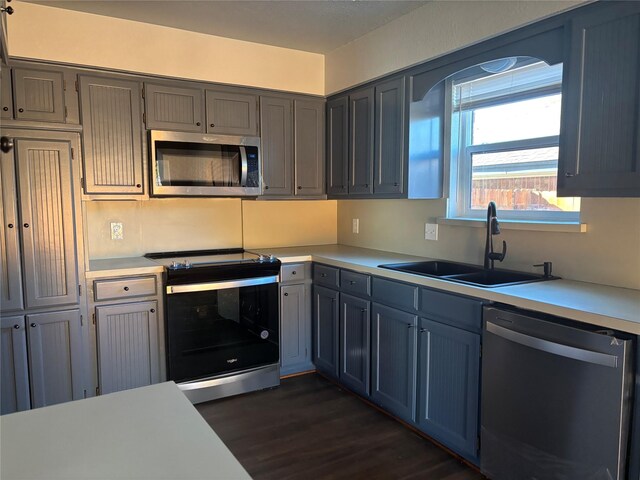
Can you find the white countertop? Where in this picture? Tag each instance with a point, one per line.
(111, 267)
(610, 307)
(146, 433)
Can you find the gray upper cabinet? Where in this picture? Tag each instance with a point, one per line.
(6, 99)
(14, 389)
(338, 146)
(355, 343)
(326, 330)
(309, 147)
(47, 221)
(599, 150)
(55, 357)
(393, 370)
(11, 297)
(128, 346)
(112, 133)
(174, 108)
(232, 113)
(390, 143)
(38, 94)
(276, 137)
(361, 142)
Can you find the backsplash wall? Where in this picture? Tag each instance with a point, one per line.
(204, 223)
(608, 253)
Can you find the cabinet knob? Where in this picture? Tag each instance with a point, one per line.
(197, 124)
(568, 174)
(286, 294)
(126, 289)
(423, 330)
(352, 282)
(10, 225)
(138, 185)
(323, 275)
(34, 325)
(366, 185)
(153, 310)
(6, 109)
(293, 273)
(395, 184)
(16, 326)
(299, 187)
(266, 187)
(6, 144)
(26, 225)
(410, 325)
(212, 125)
(364, 310)
(21, 110)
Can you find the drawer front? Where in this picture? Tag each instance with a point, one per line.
(357, 283)
(451, 309)
(292, 272)
(327, 276)
(396, 294)
(124, 288)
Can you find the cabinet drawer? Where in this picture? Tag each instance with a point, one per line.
(327, 276)
(395, 294)
(124, 288)
(357, 283)
(292, 272)
(451, 309)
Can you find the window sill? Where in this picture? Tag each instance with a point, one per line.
(563, 227)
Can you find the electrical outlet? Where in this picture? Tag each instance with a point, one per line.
(355, 225)
(431, 231)
(117, 232)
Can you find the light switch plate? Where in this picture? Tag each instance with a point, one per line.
(117, 231)
(431, 231)
(355, 225)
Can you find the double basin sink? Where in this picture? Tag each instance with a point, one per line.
(467, 274)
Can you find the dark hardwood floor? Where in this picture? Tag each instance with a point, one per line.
(309, 428)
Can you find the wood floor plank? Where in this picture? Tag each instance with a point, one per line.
(309, 428)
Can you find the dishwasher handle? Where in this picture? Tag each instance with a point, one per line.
(553, 347)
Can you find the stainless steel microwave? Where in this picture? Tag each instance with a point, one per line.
(198, 164)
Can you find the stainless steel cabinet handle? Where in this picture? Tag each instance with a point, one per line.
(34, 325)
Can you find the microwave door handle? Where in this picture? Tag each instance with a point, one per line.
(244, 166)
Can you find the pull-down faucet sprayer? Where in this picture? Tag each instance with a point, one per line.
(493, 228)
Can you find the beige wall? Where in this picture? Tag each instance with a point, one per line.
(608, 253)
(54, 34)
(438, 27)
(203, 223)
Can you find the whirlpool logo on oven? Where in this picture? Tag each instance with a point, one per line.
(232, 360)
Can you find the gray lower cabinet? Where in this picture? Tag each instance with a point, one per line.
(231, 113)
(112, 134)
(355, 343)
(449, 386)
(309, 147)
(295, 329)
(169, 107)
(394, 342)
(6, 98)
(38, 94)
(128, 346)
(338, 146)
(326, 317)
(390, 143)
(14, 387)
(276, 136)
(361, 141)
(599, 151)
(55, 357)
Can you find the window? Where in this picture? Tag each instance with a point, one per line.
(504, 128)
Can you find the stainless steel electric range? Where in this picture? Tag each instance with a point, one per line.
(221, 321)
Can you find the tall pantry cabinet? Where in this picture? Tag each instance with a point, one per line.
(41, 341)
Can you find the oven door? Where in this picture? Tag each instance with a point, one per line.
(222, 327)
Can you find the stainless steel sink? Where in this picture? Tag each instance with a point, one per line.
(465, 273)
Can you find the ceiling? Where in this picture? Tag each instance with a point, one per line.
(309, 25)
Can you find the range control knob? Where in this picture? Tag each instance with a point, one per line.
(262, 258)
(187, 264)
(272, 258)
(174, 264)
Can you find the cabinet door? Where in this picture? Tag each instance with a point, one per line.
(55, 357)
(14, 372)
(277, 146)
(394, 340)
(338, 146)
(128, 346)
(11, 280)
(390, 138)
(309, 147)
(112, 134)
(599, 151)
(325, 320)
(174, 108)
(295, 323)
(38, 94)
(361, 142)
(232, 113)
(47, 215)
(449, 389)
(6, 98)
(355, 343)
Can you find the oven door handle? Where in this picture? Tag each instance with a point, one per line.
(204, 287)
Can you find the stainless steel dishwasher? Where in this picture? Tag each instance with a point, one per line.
(555, 399)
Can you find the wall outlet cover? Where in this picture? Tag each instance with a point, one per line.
(431, 231)
(117, 231)
(355, 225)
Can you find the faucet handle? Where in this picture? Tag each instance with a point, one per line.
(499, 256)
(548, 266)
